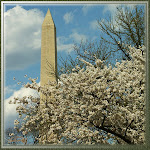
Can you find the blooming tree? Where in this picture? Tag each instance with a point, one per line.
(89, 106)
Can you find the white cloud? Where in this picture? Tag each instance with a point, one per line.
(66, 43)
(9, 114)
(94, 25)
(94, 38)
(112, 8)
(68, 17)
(9, 89)
(65, 47)
(22, 37)
(10, 109)
(76, 37)
(62, 44)
(86, 8)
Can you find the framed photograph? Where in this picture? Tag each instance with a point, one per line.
(75, 74)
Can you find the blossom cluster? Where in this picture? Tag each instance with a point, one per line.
(91, 105)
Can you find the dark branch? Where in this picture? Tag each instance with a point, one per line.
(114, 133)
(128, 127)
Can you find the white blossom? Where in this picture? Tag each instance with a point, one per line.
(87, 102)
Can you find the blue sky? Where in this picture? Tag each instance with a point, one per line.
(22, 40)
(22, 36)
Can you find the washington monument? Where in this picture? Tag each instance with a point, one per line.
(48, 51)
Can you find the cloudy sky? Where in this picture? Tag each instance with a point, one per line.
(22, 35)
(22, 40)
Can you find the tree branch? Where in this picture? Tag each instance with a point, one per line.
(128, 127)
(114, 133)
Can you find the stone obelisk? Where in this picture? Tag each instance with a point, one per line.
(48, 51)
